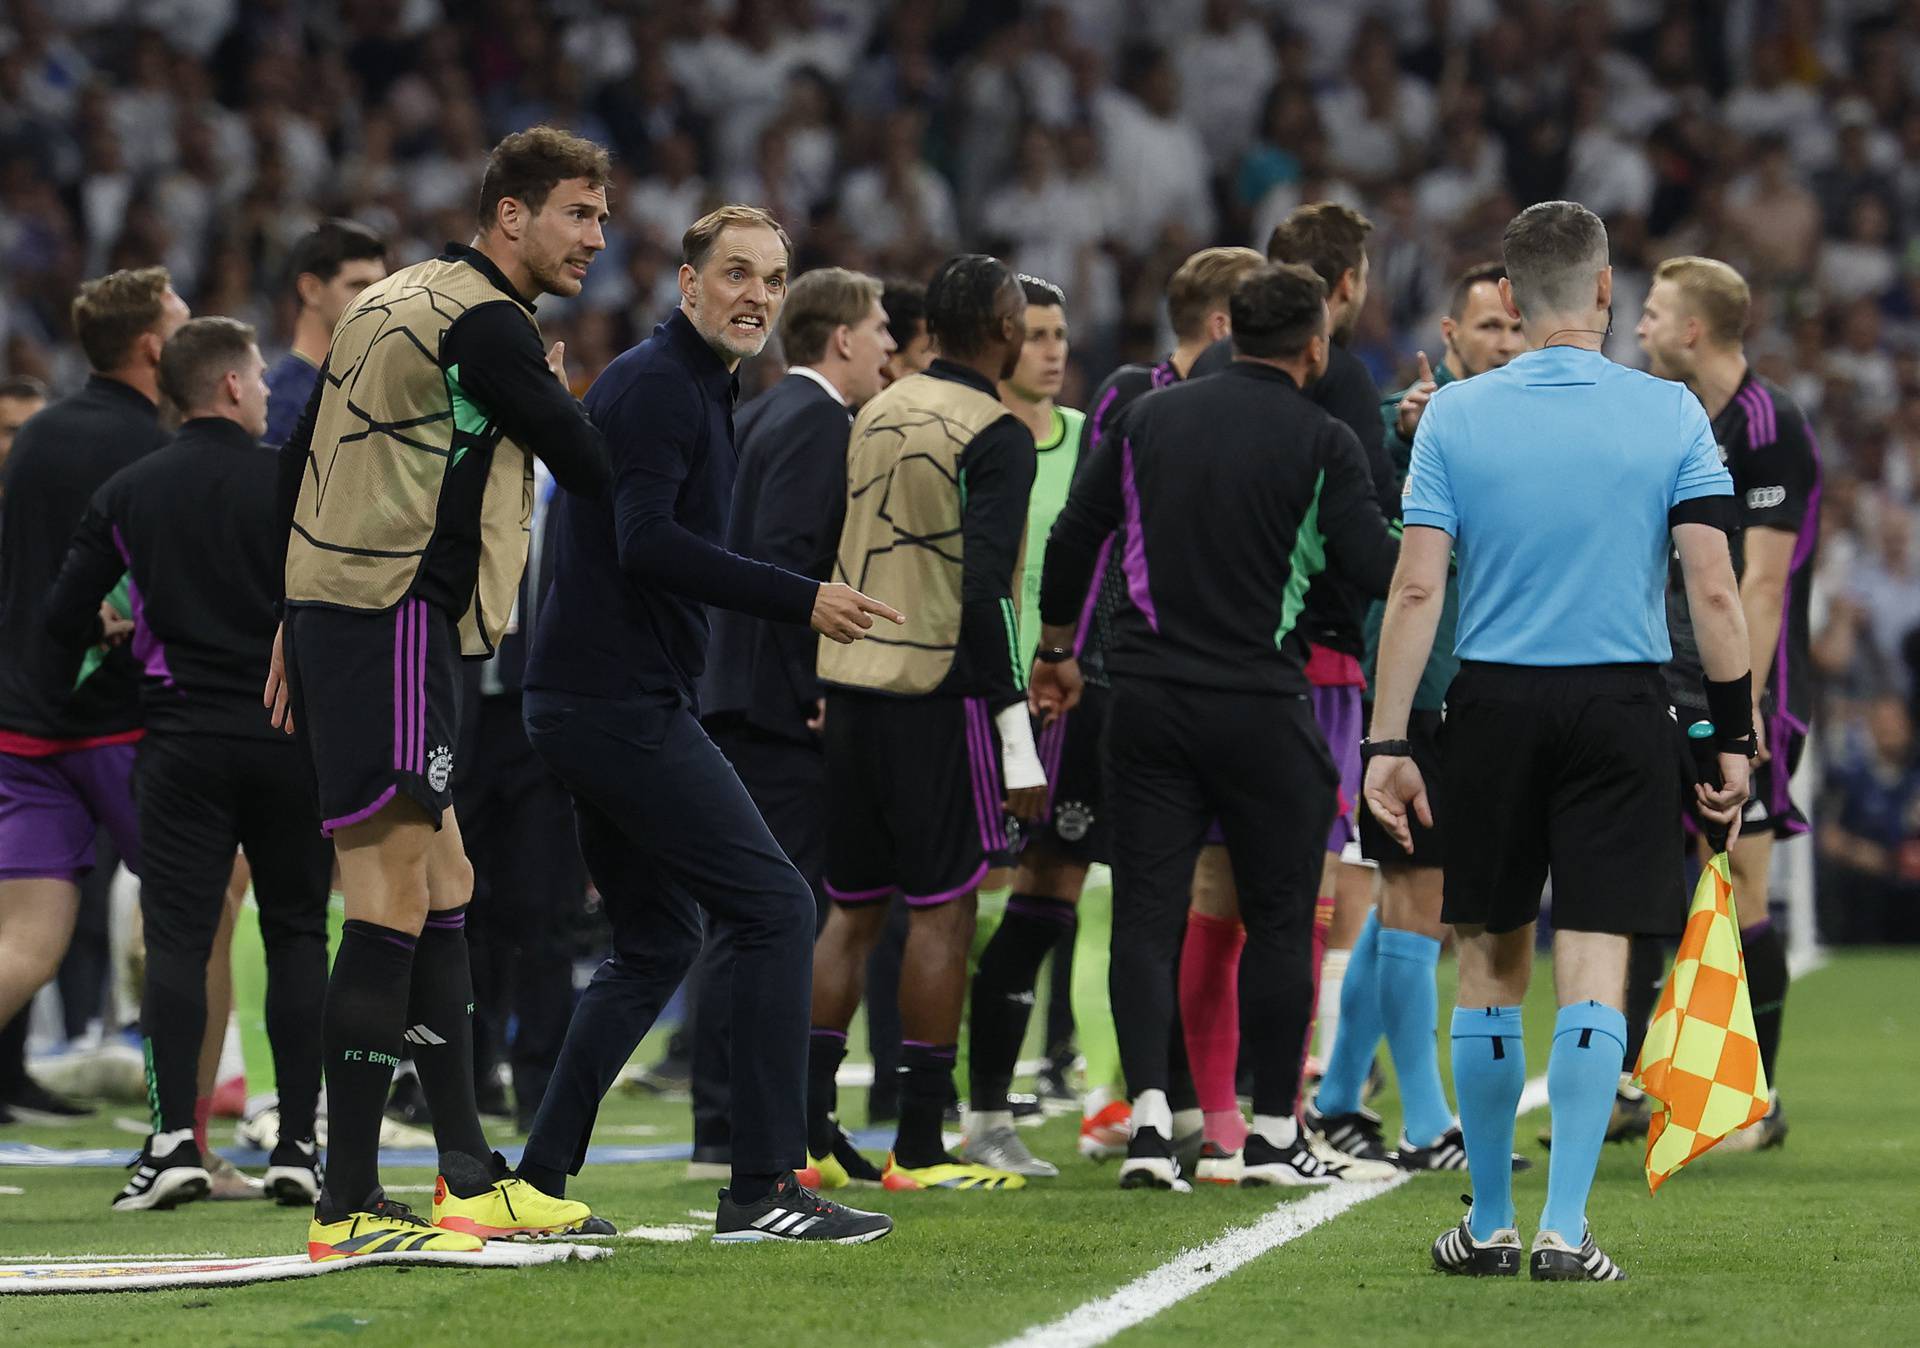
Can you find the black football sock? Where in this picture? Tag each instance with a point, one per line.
(365, 1014)
(13, 1054)
(440, 1033)
(926, 1084)
(1646, 968)
(1003, 992)
(825, 1050)
(296, 982)
(1767, 984)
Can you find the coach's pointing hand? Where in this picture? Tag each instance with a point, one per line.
(841, 612)
(1415, 402)
(1394, 786)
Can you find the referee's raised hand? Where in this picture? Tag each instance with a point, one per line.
(841, 613)
(1394, 787)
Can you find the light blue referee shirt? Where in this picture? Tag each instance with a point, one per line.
(1554, 475)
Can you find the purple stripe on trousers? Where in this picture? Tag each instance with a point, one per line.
(996, 791)
(399, 684)
(420, 686)
(327, 826)
(948, 895)
(1133, 557)
(977, 749)
(1053, 746)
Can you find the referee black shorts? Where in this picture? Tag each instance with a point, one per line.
(1376, 844)
(1573, 772)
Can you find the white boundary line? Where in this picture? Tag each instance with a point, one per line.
(1097, 1321)
(1188, 1272)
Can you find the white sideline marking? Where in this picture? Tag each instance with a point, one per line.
(1533, 1095)
(1097, 1321)
(671, 1233)
(1188, 1272)
(11, 1191)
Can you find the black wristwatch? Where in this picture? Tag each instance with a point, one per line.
(1372, 749)
(1052, 655)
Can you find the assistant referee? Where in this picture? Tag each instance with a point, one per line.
(1559, 480)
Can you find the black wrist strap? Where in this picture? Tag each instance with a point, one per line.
(1371, 749)
(1730, 706)
(1053, 655)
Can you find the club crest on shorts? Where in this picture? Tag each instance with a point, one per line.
(1071, 820)
(439, 767)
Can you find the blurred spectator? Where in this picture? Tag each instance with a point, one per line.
(1096, 142)
(1870, 842)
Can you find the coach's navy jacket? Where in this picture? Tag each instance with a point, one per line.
(1232, 493)
(788, 504)
(634, 570)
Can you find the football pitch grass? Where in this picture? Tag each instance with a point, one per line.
(1817, 1243)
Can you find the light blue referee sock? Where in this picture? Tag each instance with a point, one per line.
(1359, 1032)
(1410, 1007)
(1589, 1044)
(1489, 1070)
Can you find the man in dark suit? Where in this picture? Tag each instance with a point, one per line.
(528, 878)
(759, 698)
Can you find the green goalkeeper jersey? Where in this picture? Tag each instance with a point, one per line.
(1059, 456)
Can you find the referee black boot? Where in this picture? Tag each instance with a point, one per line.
(1457, 1252)
(1553, 1260)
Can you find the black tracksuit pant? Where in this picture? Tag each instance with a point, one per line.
(528, 880)
(669, 835)
(1179, 757)
(201, 797)
(788, 782)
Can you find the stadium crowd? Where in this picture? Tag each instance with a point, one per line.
(1094, 142)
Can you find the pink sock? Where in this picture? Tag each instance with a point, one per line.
(1210, 1015)
(1322, 925)
(202, 1111)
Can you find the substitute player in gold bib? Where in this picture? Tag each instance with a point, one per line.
(406, 491)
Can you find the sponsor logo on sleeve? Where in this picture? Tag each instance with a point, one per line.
(1766, 498)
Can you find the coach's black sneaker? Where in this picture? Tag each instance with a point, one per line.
(167, 1172)
(1357, 1134)
(293, 1175)
(793, 1213)
(1553, 1260)
(1456, 1251)
(1150, 1163)
(31, 1102)
(1295, 1165)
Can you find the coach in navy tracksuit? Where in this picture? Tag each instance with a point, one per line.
(760, 698)
(667, 830)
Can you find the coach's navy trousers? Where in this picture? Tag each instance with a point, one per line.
(671, 837)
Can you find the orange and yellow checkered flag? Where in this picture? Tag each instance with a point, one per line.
(1701, 1063)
